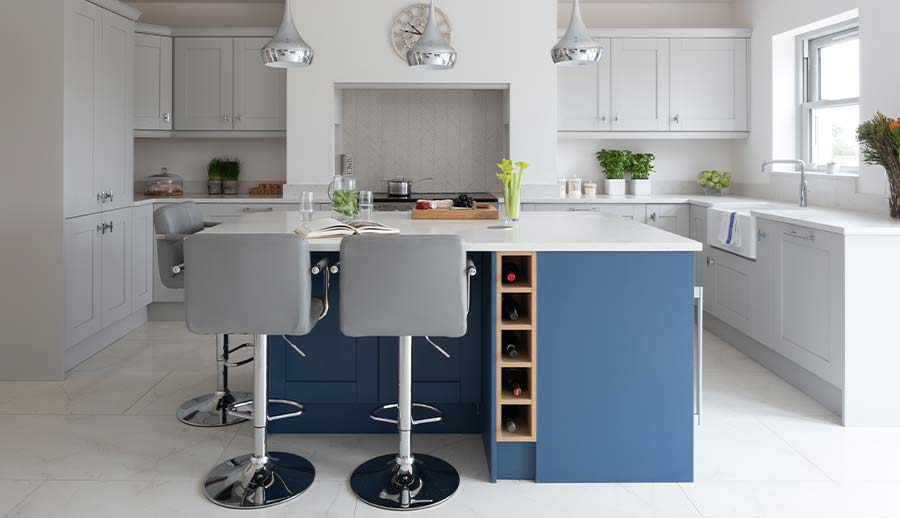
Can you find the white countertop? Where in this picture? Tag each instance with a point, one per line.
(843, 222)
(535, 231)
(218, 198)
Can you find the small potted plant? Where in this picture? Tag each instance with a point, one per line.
(640, 165)
(879, 141)
(214, 171)
(614, 163)
(231, 170)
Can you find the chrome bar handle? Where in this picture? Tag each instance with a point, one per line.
(794, 234)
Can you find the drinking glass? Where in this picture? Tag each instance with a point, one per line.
(307, 207)
(366, 205)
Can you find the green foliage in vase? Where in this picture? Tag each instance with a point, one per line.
(641, 165)
(614, 162)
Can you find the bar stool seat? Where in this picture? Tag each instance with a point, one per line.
(258, 285)
(381, 277)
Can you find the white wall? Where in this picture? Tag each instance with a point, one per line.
(262, 160)
(351, 39)
(880, 81)
(31, 216)
(677, 161)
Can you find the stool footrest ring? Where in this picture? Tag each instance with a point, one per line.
(244, 410)
(377, 414)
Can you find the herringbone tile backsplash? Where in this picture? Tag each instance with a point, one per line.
(453, 136)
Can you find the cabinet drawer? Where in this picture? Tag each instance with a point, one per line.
(632, 211)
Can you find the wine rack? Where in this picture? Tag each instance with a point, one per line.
(521, 408)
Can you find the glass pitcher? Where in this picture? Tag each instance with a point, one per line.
(344, 198)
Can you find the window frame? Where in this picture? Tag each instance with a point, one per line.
(809, 92)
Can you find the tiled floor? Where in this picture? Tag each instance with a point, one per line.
(104, 443)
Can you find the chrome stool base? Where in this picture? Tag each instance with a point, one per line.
(246, 483)
(210, 411)
(379, 483)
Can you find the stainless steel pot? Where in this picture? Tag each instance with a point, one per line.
(402, 186)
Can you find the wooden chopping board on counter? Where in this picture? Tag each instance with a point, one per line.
(480, 213)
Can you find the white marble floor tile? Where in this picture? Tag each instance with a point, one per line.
(180, 386)
(107, 448)
(741, 394)
(843, 453)
(12, 492)
(743, 449)
(90, 392)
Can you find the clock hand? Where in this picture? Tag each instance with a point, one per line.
(413, 27)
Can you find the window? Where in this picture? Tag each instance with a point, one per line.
(830, 100)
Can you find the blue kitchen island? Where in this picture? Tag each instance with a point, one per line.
(606, 362)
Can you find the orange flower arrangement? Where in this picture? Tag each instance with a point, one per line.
(879, 141)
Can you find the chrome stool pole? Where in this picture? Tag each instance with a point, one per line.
(211, 410)
(263, 478)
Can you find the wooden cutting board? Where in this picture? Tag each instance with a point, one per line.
(491, 212)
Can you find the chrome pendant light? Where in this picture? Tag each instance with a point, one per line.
(287, 49)
(577, 46)
(431, 52)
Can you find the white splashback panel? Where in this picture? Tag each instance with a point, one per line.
(454, 136)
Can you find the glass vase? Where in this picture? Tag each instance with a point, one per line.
(512, 204)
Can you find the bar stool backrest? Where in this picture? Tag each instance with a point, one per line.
(174, 221)
(403, 286)
(249, 284)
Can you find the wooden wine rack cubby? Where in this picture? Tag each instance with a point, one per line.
(522, 408)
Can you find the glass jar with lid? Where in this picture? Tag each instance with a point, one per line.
(164, 184)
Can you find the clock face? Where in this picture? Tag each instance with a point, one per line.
(409, 25)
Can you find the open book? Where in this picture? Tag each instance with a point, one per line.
(329, 227)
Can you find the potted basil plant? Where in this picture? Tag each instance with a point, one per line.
(614, 163)
(230, 173)
(641, 165)
(214, 172)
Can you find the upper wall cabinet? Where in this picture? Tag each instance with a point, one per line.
(221, 84)
(648, 86)
(152, 82)
(640, 84)
(98, 127)
(708, 84)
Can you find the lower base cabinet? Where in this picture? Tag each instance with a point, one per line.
(674, 218)
(98, 272)
(142, 238)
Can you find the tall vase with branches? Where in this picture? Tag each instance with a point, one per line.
(879, 141)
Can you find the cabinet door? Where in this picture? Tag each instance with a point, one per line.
(142, 237)
(82, 264)
(152, 82)
(204, 75)
(630, 211)
(114, 131)
(640, 84)
(115, 266)
(671, 218)
(260, 92)
(709, 84)
(730, 283)
(82, 60)
(584, 94)
(808, 299)
(698, 233)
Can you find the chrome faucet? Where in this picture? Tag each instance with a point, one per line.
(804, 184)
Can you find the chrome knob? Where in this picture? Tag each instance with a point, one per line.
(710, 261)
(167, 117)
(677, 119)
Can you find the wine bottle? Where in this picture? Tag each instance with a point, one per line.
(511, 310)
(512, 345)
(514, 382)
(511, 273)
(511, 425)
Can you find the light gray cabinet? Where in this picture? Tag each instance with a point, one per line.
(708, 84)
(584, 94)
(142, 237)
(640, 84)
(82, 274)
(632, 211)
(97, 272)
(698, 232)
(732, 287)
(674, 218)
(98, 145)
(807, 297)
(204, 88)
(152, 82)
(221, 84)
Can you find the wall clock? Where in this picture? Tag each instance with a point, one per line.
(408, 27)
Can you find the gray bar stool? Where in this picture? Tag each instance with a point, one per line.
(259, 285)
(173, 223)
(381, 277)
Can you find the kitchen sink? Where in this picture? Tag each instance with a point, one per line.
(746, 222)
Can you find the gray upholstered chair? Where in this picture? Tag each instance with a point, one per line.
(259, 285)
(382, 281)
(173, 223)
